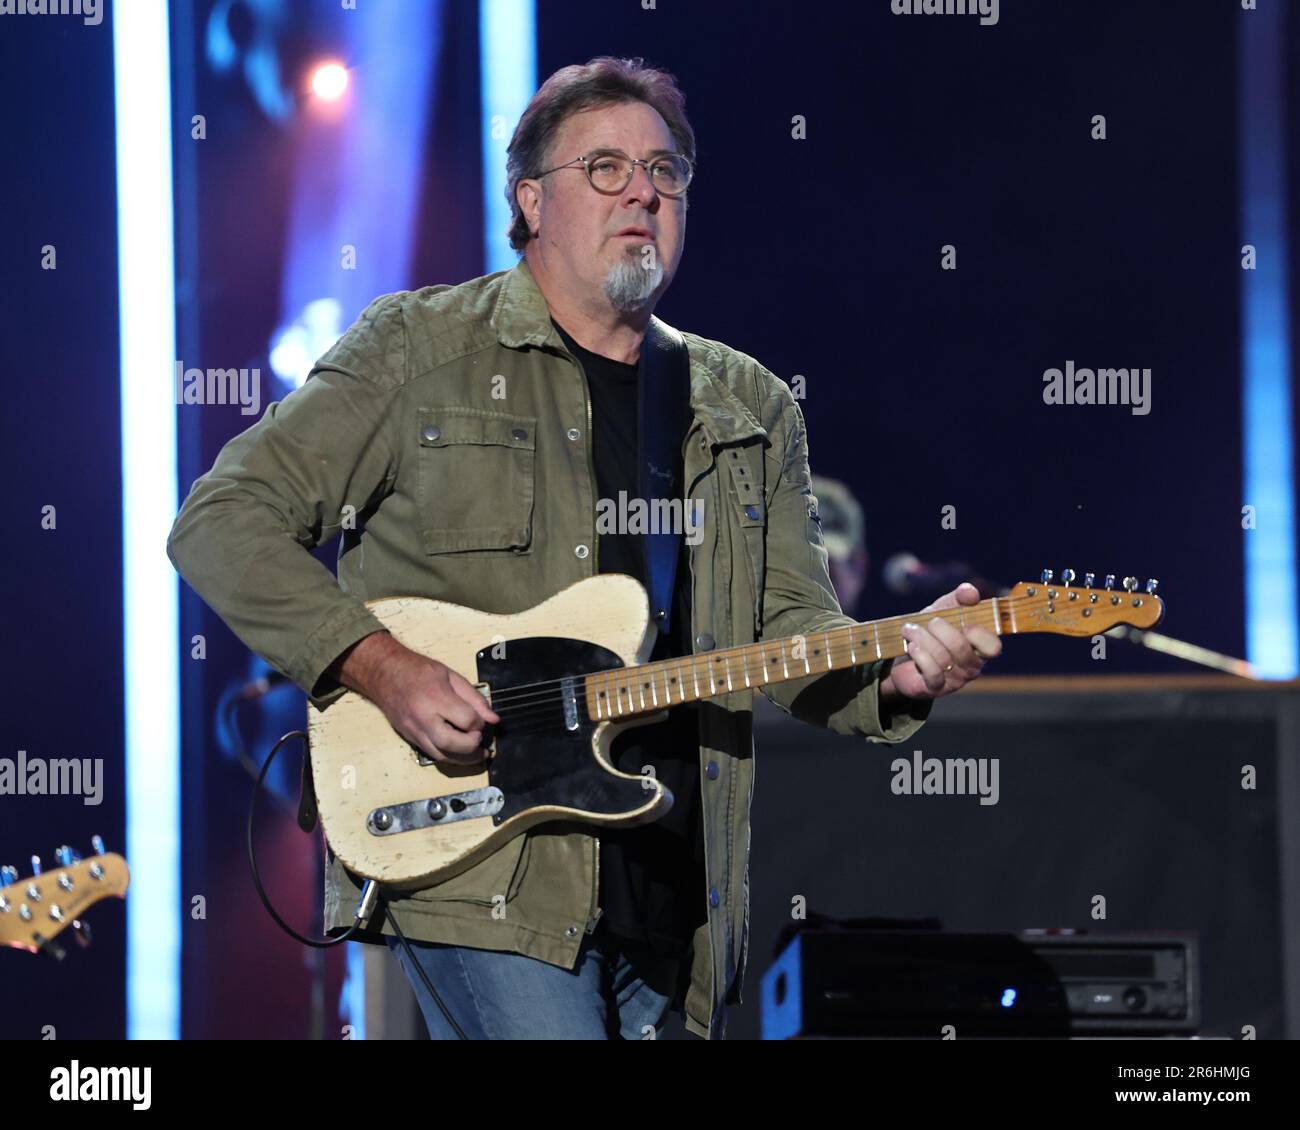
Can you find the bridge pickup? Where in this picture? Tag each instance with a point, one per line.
(436, 811)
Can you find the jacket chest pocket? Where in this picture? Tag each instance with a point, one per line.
(745, 489)
(476, 479)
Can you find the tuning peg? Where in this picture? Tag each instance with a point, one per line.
(65, 856)
(36, 865)
(1130, 583)
(1088, 578)
(81, 931)
(8, 875)
(97, 844)
(1046, 576)
(1152, 585)
(1067, 575)
(1110, 581)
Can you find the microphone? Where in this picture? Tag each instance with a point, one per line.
(905, 574)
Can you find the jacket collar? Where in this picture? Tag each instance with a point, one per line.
(522, 318)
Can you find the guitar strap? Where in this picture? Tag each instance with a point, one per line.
(663, 400)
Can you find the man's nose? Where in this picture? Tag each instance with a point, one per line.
(641, 186)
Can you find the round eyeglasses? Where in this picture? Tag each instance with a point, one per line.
(610, 171)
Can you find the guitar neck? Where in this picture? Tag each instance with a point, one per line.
(651, 687)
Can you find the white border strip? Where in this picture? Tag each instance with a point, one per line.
(507, 32)
(150, 597)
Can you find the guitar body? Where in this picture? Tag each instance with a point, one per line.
(392, 814)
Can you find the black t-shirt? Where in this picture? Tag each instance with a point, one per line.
(652, 877)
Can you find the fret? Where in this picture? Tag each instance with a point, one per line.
(762, 659)
(681, 684)
(695, 671)
(654, 693)
(997, 620)
(668, 689)
(876, 628)
(785, 666)
(807, 667)
(640, 690)
(830, 665)
(744, 659)
(726, 665)
(853, 655)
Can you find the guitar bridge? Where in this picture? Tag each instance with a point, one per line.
(435, 811)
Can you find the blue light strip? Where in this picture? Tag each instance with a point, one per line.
(508, 78)
(150, 596)
(1267, 442)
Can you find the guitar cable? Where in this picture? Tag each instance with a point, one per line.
(371, 892)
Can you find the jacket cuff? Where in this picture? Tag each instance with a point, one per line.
(323, 647)
(893, 721)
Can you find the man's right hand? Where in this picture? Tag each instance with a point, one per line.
(433, 707)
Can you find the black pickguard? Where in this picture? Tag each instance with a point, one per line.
(539, 760)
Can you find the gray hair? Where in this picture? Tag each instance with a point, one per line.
(603, 81)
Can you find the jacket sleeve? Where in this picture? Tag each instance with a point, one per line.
(288, 484)
(798, 598)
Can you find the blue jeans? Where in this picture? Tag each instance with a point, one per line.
(617, 990)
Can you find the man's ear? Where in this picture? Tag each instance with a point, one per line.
(528, 196)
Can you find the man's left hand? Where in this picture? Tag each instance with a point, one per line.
(941, 658)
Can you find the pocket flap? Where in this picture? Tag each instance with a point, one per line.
(445, 427)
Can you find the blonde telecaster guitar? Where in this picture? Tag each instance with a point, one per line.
(565, 677)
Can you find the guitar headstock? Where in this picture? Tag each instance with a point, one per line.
(1050, 605)
(36, 910)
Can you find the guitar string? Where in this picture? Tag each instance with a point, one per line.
(517, 698)
(513, 700)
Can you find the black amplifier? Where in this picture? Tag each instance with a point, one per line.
(930, 984)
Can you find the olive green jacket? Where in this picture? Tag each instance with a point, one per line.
(507, 522)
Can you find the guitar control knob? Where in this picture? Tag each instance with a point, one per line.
(1046, 576)
(1110, 581)
(1152, 585)
(1088, 578)
(1067, 575)
(1130, 584)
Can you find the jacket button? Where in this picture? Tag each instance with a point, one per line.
(751, 512)
(519, 433)
(711, 770)
(431, 432)
(581, 551)
(713, 896)
(704, 641)
(571, 932)
(574, 434)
